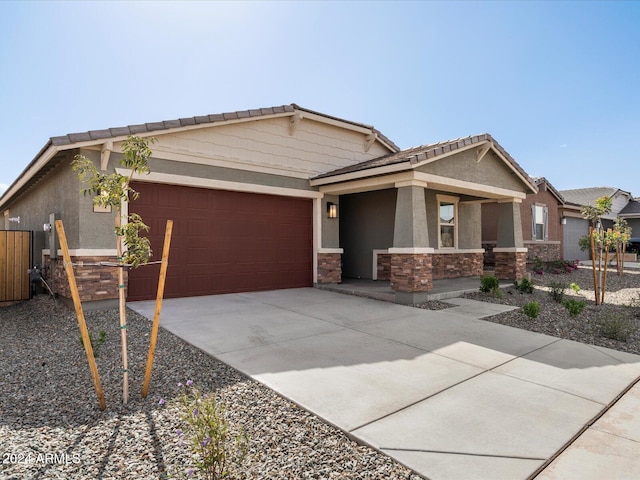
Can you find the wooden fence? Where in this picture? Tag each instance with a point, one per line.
(15, 260)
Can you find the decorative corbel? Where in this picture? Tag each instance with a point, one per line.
(294, 121)
(107, 148)
(483, 151)
(368, 141)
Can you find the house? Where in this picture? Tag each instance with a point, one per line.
(278, 197)
(541, 224)
(576, 226)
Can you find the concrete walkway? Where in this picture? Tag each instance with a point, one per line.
(444, 393)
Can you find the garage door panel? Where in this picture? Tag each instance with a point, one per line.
(223, 241)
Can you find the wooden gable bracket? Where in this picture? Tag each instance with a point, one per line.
(368, 141)
(483, 151)
(293, 123)
(107, 148)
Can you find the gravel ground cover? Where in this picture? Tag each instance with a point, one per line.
(614, 324)
(51, 426)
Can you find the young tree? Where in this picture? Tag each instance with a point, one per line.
(622, 233)
(600, 243)
(114, 190)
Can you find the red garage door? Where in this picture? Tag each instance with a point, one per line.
(223, 242)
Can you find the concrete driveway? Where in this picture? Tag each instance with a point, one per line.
(444, 393)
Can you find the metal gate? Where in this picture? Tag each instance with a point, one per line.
(15, 261)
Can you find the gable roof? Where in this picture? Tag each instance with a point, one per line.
(415, 156)
(44, 161)
(542, 180)
(588, 196)
(203, 120)
(631, 209)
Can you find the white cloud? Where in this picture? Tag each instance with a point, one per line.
(564, 145)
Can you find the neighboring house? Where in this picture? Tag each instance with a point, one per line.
(279, 197)
(541, 224)
(576, 226)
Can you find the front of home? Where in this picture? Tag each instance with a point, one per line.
(280, 197)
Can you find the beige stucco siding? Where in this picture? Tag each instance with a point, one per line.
(491, 170)
(270, 146)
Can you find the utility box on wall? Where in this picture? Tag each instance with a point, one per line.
(53, 236)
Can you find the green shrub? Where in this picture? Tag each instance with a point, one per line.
(615, 328)
(489, 284)
(525, 286)
(575, 307)
(95, 344)
(557, 291)
(531, 309)
(575, 287)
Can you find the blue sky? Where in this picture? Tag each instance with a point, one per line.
(557, 84)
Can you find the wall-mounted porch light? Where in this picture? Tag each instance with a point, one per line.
(332, 210)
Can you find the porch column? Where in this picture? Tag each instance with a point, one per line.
(329, 254)
(510, 253)
(411, 256)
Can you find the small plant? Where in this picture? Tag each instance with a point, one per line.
(575, 287)
(575, 307)
(538, 266)
(525, 286)
(95, 344)
(557, 291)
(615, 328)
(489, 284)
(531, 309)
(217, 453)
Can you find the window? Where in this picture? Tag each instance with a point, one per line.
(539, 222)
(447, 222)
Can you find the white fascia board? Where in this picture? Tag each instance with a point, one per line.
(469, 188)
(188, 181)
(29, 174)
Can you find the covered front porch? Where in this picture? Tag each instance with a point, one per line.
(414, 219)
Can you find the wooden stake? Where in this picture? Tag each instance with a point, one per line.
(603, 288)
(80, 314)
(156, 315)
(123, 314)
(592, 234)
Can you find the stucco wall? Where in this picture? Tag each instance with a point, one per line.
(310, 149)
(490, 170)
(366, 223)
(545, 198)
(58, 192)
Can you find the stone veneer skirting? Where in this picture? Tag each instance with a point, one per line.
(95, 282)
(455, 265)
(384, 266)
(511, 265)
(329, 268)
(411, 272)
(545, 251)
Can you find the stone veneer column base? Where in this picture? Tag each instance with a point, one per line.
(511, 265)
(95, 282)
(329, 268)
(411, 277)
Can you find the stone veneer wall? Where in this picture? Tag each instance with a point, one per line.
(547, 252)
(455, 265)
(511, 265)
(95, 282)
(384, 266)
(329, 268)
(411, 272)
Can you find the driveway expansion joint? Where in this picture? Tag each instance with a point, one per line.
(468, 454)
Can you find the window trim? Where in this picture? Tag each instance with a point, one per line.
(451, 200)
(545, 222)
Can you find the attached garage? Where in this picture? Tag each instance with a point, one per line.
(223, 241)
